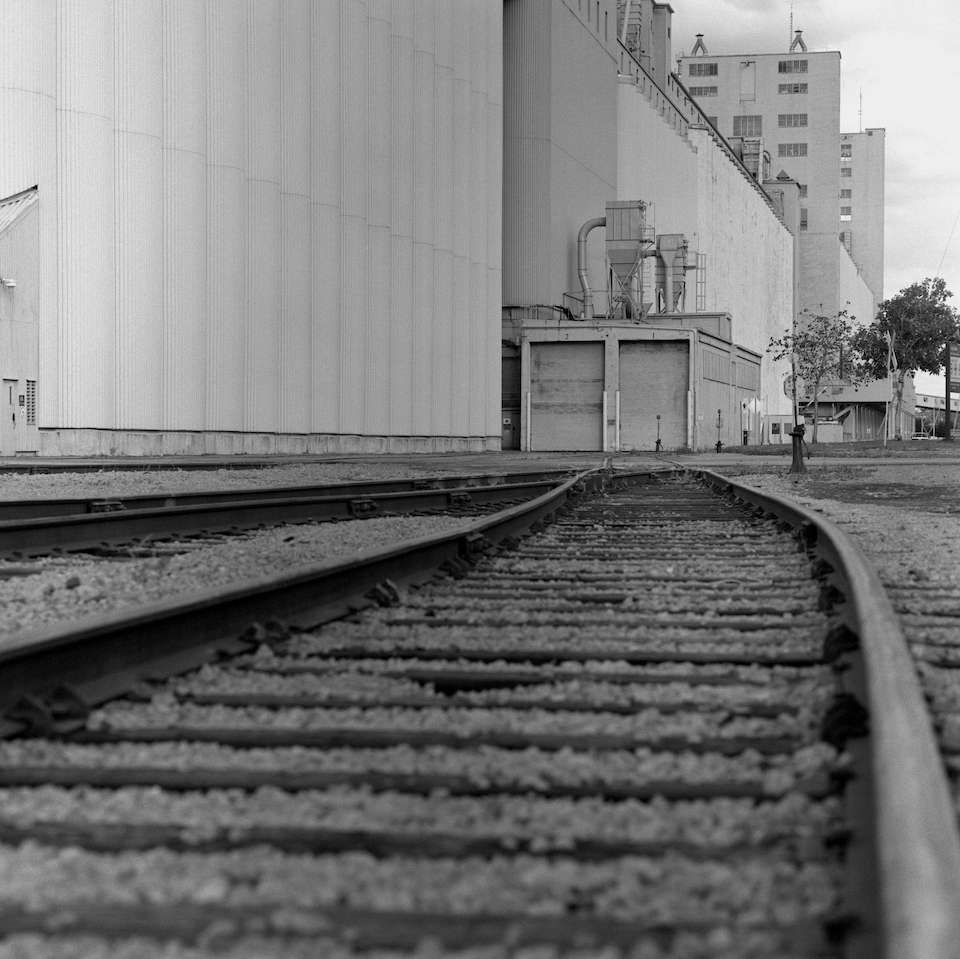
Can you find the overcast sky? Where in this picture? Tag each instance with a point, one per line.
(905, 58)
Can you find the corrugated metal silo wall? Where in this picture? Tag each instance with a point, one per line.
(263, 216)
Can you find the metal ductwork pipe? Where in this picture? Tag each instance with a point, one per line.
(667, 257)
(582, 263)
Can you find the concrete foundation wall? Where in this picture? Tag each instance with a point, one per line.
(266, 217)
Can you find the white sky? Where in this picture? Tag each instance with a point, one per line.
(905, 58)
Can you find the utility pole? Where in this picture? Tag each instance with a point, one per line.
(946, 400)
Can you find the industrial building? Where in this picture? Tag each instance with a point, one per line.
(619, 330)
(263, 226)
(226, 231)
(786, 105)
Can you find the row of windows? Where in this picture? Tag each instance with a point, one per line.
(703, 91)
(792, 150)
(846, 171)
(792, 88)
(846, 151)
(792, 119)
(846, 194)
(784, 66)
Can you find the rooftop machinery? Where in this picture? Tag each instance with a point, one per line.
(629, 241)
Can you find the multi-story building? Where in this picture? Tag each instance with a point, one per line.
(861, 202)
(787, 106)
(791, 102)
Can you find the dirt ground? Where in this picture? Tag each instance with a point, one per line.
(903, 513)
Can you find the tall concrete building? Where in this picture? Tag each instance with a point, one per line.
(862, 173)
(790, 102)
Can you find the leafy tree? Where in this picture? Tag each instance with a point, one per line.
(819, 349)
(910, 333)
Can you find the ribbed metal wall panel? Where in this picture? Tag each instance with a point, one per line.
(402, 179)
(378, 313)
(424, 210)
(85, 213)
(138, 198)
(184, 149)
(325, 185)
(526, 175)
(490, 359)
(443, 303)
(296, 294)
(261, 216)
(354, 252)
(263, 266)
(226, 212)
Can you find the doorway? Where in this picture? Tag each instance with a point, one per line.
(8, 418)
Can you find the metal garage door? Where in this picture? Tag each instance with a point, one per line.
(654, 379)
(566, 386)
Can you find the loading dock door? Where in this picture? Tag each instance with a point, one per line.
(566, 402)
(654, 379)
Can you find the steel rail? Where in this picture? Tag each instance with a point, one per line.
(916, 839)
(98, 658)
(78, 505)
(40, 535)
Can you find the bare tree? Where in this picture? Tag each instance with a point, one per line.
(819, 349)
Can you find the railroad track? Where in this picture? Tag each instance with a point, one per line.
(99, 525)
(639, 731)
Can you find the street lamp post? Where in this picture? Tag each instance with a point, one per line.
(659, 446)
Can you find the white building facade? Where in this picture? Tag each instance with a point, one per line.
(791, 102)
(264, 225)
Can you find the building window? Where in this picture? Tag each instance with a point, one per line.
(703, 91)
(792, 150)
(803, 190)
(803, 218)
(846, 213)
(748, 126)
(31, 402)
(703, 70)
(713, 120)
(792, 88)
(846, 171)
(792, 66)
(846, 151)
(792, 119)
(846, 194)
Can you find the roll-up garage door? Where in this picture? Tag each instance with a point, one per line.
(566, 385)
(654, 379)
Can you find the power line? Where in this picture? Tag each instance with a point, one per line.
(947, 247)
